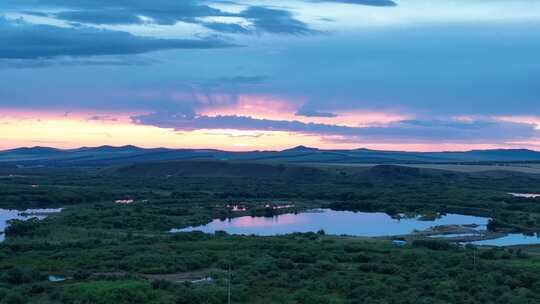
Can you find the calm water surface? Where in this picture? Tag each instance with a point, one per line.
(511, 240)
(7, 215)
(332, 222)
(525, 195)
(353, 223)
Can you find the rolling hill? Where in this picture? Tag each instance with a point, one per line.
(108, 155)
(205, 168)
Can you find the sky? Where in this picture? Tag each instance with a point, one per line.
(414, 75)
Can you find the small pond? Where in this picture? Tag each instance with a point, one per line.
(525, 195)
(368, 224)
(7, 215)
(511, 240)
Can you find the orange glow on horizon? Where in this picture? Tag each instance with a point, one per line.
(96, 129)
(73, 130)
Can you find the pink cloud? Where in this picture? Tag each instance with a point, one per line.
(284, 109)
(531, 120)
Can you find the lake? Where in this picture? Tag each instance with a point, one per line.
(7, 215)
(368, 224)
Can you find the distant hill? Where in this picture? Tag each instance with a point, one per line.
(219, 169)
(291, 172)
(108, 155)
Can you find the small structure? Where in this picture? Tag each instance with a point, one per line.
(277, 207)
(237, 208)
(399, 243)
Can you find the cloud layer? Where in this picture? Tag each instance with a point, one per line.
(482, 131)
(21, 40)
(170, 12)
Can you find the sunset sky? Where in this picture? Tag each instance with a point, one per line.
(411, 75)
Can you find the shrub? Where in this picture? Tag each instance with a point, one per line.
(19, 228)
(432, 244)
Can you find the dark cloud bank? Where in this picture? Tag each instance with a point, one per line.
(423, 130)
(169, 12)
(264, 19)
(20, 40)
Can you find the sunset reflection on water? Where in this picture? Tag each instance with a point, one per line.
(332, 222)
(252, 222)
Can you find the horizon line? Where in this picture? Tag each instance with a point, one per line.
(248, 151)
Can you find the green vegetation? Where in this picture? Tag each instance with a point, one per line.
(300, 268)
(181, 193)
(112, 253)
